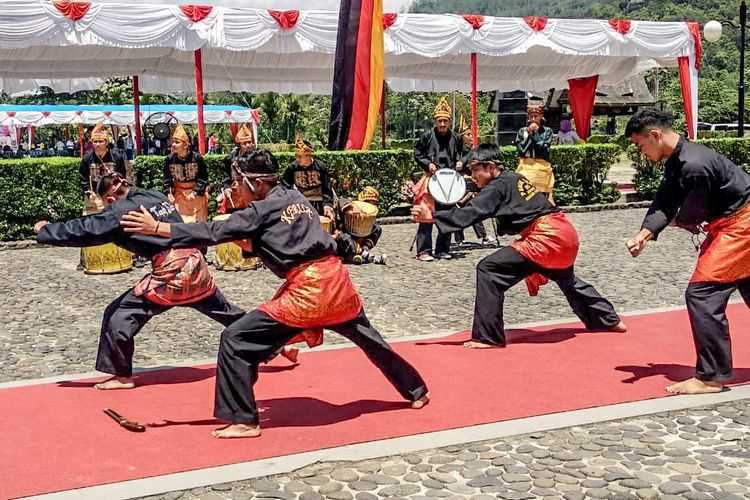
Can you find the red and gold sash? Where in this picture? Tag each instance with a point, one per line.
(315, 295)
(550, 242)
(725, 254)
(179, 276)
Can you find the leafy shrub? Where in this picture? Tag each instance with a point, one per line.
(47, 188)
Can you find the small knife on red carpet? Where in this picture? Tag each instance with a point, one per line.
(127, 424)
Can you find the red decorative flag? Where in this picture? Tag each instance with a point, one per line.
(357, 75)
(286, 18)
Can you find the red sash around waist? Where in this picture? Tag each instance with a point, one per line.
(315, 295)
(725, 254)
(550, 242)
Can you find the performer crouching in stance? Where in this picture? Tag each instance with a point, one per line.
(284, 230)
(699, 186)
(547, 249)
(179, 277)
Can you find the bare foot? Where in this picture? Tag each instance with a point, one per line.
(115, 383)
(236, 431)
(695, 386)
(290, 353)
(421, 402)
(473, 344)
(619, 328)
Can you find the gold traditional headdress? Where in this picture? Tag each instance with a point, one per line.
(463, 127)
(100, 133)
(300, 147)
(244, 134)
(180, 134)
(442, 109)
(369, 194)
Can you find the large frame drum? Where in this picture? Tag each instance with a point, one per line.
(229, 255)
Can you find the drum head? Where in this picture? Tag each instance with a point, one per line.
(446, 186)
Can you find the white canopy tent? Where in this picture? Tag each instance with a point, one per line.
(74, 46)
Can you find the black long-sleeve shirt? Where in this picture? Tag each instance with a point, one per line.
(284, 230)
(192, 168)
(534, 145)
(510, 198)
(104, 227)
(699, 185)
(93, 167)
(312, 181)
(443, 150)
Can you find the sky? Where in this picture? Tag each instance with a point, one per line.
(388, 5)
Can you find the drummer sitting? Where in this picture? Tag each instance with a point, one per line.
(357, 233)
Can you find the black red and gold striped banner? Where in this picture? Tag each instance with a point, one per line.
(357, 75)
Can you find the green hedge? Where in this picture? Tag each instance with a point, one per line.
(580, 171)
(47, 188)
(648, 174)
(37, 189)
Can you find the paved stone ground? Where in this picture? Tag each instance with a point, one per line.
(50, 313)
(697, 454)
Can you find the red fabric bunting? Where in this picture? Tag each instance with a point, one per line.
(622, 26)
(107, 113)
(695, 30)
(11, 113)
(286, 19)
(79, 112)
(256, 116)
(475, 20)
(196, 13)
(536, 23)
(46, 113)
(389, 19)
(228, 112)
(582, 93)
(72, 10)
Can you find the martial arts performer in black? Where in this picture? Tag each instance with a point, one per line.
(282, 227)
(179, 277)
(699, 187)
(547, 249)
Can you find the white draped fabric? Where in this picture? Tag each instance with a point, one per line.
(246, 49)
(48, 115)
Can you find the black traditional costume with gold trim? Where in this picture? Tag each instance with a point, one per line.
(701, 186)
(284, 231)
(178, 277)
(547, 250)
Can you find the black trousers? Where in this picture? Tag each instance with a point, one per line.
(424, 236)
(707, 305)
(125, 317)
(479, 230)
(254, 338)
(500, 270)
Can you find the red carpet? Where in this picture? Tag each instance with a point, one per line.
(55, 436)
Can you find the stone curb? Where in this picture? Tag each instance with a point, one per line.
(25, 244)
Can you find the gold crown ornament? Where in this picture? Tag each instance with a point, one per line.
(100, 133)
(369, 194)
(244, 134)
(180, 134)
(442, 109)
(300, 148)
